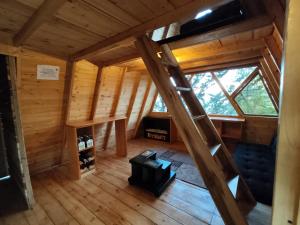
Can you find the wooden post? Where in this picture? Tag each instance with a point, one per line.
(96, 94)
(287, 178)
(121, 137)
(114, 110)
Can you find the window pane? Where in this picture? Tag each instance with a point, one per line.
(159, 105)
(211, 96)
(232, 78)
(255, 100)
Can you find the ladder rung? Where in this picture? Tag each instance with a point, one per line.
(199, 117)
(167, 63)
(214, 149)
(233, 185)
(183, 89)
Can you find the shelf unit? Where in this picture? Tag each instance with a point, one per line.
(76, 129)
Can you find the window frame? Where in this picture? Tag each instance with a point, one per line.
(231, 97)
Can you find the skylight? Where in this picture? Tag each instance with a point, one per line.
(203, 13)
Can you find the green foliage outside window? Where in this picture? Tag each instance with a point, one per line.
(211, 96)
(255, 100)
(159, 105)
(232, 78)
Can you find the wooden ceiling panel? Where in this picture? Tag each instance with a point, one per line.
(32, 3)
(115, 53)
(45, 39)
(114, 11)
(158, 7)
(135, 8)
(261, 33)
(13, 15)
(68, 31)
(90, 18)
(178, 3)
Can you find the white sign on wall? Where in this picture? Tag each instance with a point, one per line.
(47, 72)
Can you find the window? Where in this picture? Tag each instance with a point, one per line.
(216, 93)
(159, 105)
(211, 95)
(255, 100)
(232, 78)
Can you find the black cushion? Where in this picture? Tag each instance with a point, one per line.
(257, 166)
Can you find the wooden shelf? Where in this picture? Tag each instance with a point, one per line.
(75, 129)
(83, 150)
(88, 123)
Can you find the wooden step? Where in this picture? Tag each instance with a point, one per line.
(167, 63)
(233, 185)
(214, 149)
(183, 89)
(200, 117)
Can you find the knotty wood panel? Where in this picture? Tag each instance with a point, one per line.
(41, 105)
(259, 130)
(110, 81)
(287, 179)
(85, 74)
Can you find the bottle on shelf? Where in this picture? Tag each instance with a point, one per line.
(80, 143)
(88, 141)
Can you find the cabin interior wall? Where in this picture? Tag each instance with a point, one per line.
(41, 105)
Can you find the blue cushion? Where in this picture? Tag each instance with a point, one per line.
(257, 166)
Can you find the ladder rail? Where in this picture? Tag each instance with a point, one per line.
(197, 108)
(212, 176)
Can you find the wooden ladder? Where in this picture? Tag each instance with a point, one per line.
(220, 174)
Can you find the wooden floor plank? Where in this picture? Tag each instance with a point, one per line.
(37, 216)
(73, 206)
(106, 197)
(54, 210)
(148, 198)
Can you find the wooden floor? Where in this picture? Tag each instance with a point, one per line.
(106, 198)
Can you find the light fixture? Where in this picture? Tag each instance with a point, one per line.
(203, 13)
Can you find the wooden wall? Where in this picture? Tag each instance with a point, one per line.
(259, 130)
(41, 105)
(84, 79)
(121, 92)
(286, 203)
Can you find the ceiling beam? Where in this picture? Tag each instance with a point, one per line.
(121, 59)
(43, 13)
(170, 17)
(247, 25)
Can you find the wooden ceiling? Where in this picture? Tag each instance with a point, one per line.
(78, 27)
(241, 46)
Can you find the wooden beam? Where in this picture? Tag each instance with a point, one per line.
(96, 94)
(187, 56)
(286, 205)
(118, 60)
(141, 112)
(267, 87)
(245, 83)
(212, 61)
(277, 13)
(181, 12)
(248, 25)
(236, 64)
(133, 96)
(272, 65)
(114, 109)
(231, 100)
(267, 74)
(43, 13)
(68, 86)
(275, 50)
